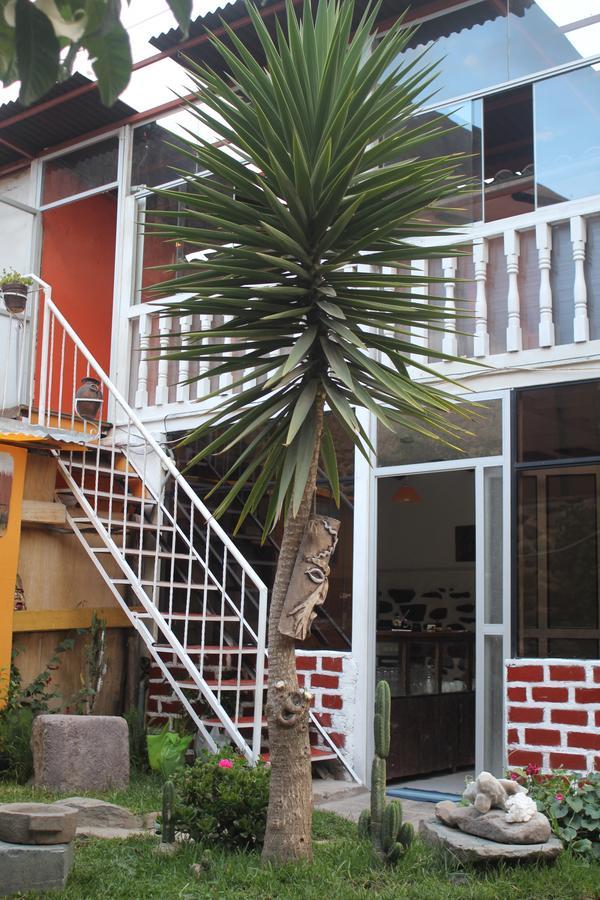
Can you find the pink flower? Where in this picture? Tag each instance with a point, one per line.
(225, 764)
(532, 769)
(513, 776)
(559, 797)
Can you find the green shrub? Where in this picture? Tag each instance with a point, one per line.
(572, 803)
(220, 799)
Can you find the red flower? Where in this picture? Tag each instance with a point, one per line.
(532, 769)
(559, 797)
(513, 776)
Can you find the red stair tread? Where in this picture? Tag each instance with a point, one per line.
(226, 683)
(209, 650)
(316, 755)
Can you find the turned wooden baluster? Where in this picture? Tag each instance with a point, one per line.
(581, 324)
(543, 240)
(162, 384)
(206, 322)
(481, 338)
(514, 335)
(419, 334)
(183, 389)
(450, 340)
(145, 329)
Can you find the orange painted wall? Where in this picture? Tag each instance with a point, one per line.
(9, 558)
(78, 260)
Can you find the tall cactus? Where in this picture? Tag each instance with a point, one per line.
(167, 825)
(383, 822)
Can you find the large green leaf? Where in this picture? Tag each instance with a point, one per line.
(111, 61)
(37, 52)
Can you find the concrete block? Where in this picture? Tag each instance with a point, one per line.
(27, 867)
(80, 753)
(37, 823)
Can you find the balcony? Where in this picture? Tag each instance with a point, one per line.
(530, 299)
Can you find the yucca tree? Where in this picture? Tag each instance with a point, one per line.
(318, 183)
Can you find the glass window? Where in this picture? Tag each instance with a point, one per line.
(82, 170)
(567, 136)
(402, 446)
(508, 154)
(559, 422)
(157, 155)
(537, 38)
(557, 562)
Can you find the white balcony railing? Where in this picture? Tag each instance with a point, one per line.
(526, 284)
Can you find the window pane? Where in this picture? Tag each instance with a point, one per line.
(493, 705)
(528, 557)
(154, 158)
(401, 446)
(536, 38)
(81, 171)
(471, 45)
(494, 541)
(572, 551)
(559, 422)
(508, 154)
(574, 648)
(567, 136)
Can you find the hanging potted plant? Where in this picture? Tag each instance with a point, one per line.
(14, 290)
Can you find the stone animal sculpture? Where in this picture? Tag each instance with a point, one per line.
(487, 792)
(383, 822)
(167, 824)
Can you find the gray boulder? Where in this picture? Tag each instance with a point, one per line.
(37, 823)
(494, 827)
(468, 848)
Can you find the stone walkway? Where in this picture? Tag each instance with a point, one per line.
(348, 800)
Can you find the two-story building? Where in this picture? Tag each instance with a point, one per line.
(469, 579)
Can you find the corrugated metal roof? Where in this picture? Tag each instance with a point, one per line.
(18, 431)
(54, 125)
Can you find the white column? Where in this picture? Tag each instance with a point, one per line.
(514, 336)
(162, 384)
(481, 338)
(183, 390)
(543, 240)
(141, 393)
(450, 341)
(581, 325)
(203, 385)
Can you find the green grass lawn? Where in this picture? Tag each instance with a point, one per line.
(342, 868)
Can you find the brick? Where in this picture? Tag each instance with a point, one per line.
(306, 663)
(525, 673)
(301, 680)
(567, 673)
(517, 694)
(598, 719)
(160, 690)
(524, 757)
(325, 681)
(568, 761)
(587, 695)
(586, 740)
(597, 674)
(513, 736)
(597, 764)
(550, 694)
(545, 737)
(171, 706)
(569, 716)
(332, 701)
(335, 664)
(152, 705)
(324, 719)
(525, 714)
(338, 739)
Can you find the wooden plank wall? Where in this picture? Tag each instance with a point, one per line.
(58, 576)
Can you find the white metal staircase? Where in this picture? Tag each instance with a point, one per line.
(184, 585)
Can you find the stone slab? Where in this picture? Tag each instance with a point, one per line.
(468, 848)
(80, 753)
(494, 827)
(92, 813)
(37, 823)
(26, 867)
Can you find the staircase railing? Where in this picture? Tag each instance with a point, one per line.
(127, 524)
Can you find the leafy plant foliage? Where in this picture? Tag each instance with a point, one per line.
(222, 800)
(39, 41)
(572, 803)
(305, 229)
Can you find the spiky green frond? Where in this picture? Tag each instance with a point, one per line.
(305, 220)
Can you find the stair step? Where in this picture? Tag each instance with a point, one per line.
(181, 617)
(149, 582)
(208, 649)
(316, 755)
(119, 524)
(242, 722)
(104, 470)
(134, 551)
(107, 495)
(226, 684)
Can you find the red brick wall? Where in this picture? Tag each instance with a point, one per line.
(553, 714)
(329, 676)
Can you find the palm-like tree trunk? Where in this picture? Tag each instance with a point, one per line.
(289, 818)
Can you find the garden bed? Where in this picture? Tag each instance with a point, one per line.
(342, 867)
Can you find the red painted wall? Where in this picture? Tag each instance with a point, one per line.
(78, 260)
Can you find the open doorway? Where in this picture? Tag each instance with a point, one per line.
(426, 619)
